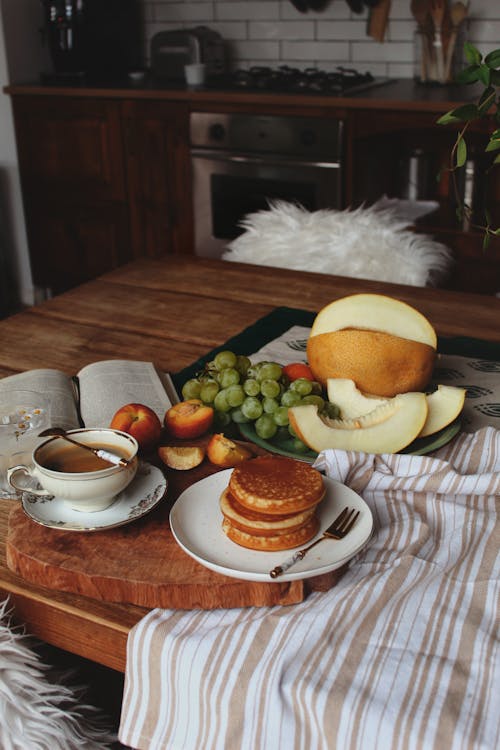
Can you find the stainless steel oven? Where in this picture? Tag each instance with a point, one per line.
(242, 161)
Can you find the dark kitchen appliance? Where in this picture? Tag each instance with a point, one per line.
(98, 40)
(242, 161)
(172, 50)
(285, 79)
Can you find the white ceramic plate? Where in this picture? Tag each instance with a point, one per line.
(142, 495)
(196, 523)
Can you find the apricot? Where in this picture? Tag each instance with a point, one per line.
(188, 419)
(225, 453)
(181, 457)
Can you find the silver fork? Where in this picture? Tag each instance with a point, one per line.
(337, 530)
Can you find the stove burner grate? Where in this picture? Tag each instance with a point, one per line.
(286, 79)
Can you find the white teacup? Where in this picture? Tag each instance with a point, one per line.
(59, 471)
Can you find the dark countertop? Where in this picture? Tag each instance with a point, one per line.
(395, 94)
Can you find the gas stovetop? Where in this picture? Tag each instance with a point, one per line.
(285, 79)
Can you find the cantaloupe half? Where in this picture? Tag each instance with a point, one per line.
(387, 429)
(383, 344)
(444, 405)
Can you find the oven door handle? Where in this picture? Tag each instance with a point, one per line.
(266, 160)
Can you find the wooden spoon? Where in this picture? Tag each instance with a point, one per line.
(111, 458)
(458, 14)
(420, 12)
(437, 10)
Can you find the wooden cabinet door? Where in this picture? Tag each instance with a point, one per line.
(69, 147)
(73, 244)
(73, 182)
(158, 177)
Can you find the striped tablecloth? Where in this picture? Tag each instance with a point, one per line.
(402, 653)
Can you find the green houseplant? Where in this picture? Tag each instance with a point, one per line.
(486, 72)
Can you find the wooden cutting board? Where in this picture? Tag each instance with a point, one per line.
(140, 563)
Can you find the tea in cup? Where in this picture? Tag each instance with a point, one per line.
(81, 479)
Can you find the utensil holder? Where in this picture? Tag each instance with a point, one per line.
(438, 57)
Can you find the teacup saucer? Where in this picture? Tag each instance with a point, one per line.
(142, 495)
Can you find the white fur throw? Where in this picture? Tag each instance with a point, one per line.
(365, 243)
(35, 713)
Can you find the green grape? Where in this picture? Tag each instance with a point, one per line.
(299, 446)
(280, 416)
(238, 417)
(221, 420)
(242, 364)
(270, 405)
(221, 402)
(266, 427)
(209, 390)
(225, 359)
(251, 407)
(317, 388)
(331, 410)
(269, 371)
(314, 399)
(302, 386)
(290, 398)
(253, 370)
(235, 395)
(229, 376)
(292, 431)
(270, 388)
(251, 387)
(191, 389)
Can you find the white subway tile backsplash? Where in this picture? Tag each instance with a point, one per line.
(274, 32)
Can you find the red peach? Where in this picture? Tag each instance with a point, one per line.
(189, 419)
(139, 421)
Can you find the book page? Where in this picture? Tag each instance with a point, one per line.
(60, 389)
(110, 384)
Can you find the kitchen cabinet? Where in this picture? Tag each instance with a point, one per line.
(72, 176)
(407, 156)
(158, 177)
(106, 173)
(103, 181)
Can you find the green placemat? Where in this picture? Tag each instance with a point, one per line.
(278, 321)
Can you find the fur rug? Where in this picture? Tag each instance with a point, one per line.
(366, 243)
(37, 710)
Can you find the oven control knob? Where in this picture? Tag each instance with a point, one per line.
(307, 137)
(217, 132)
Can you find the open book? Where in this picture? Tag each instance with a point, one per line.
(97, 391)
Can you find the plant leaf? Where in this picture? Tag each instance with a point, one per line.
(468, 75)
(495, 77)
(486, 241)
(496, 160)
(492, 59)
(486, 100)
(465, 113)
(484, 74)
(493, 144)
(472, 54)
(461, 155)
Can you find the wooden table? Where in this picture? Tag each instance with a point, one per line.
(171, 311)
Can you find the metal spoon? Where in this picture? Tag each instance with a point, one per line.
(100, 452)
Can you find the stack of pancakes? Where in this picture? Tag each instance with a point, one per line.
(270, 503)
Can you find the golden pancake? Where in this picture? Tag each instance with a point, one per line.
(260, 524)
(276, 485)
(274, 543)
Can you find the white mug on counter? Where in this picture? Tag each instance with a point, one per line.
(195, 74)
(81, 479)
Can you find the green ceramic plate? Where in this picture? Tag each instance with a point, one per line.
(419, 447)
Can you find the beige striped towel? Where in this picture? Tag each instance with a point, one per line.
(402, 653)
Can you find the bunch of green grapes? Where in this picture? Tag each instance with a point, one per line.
(242, 392)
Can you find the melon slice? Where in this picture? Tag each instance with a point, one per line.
(350, 400)
(375, 312)
(444, 405)
(387, 429)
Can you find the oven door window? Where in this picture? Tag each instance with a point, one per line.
(228, 189)
(234, 197)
